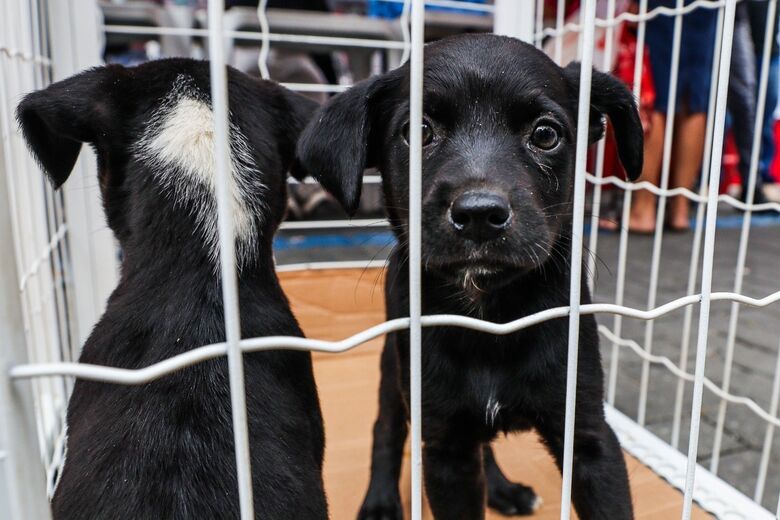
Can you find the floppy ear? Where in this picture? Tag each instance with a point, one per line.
(55, 121)
(335, 147)
(610, 97)
(300, 110)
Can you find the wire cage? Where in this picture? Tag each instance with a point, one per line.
(666, 338)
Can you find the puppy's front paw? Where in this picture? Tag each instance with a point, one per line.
(513, 499)
(385, 507)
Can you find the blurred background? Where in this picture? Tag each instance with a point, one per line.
(643, 245)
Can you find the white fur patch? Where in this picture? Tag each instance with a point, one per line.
(492, 409)
(178, 145)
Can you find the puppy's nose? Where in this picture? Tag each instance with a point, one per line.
(480, 215)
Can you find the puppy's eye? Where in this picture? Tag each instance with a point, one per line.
(427, 133)
(545, 137)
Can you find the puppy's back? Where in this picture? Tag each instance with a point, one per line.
(165, 449)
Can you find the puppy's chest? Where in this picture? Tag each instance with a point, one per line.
(497, 402)
(482, 397)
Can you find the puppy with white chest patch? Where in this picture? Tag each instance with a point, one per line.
(165, 450)
(497, 181)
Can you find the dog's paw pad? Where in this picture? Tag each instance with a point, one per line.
(514, 500)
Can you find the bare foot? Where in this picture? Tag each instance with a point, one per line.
(678, 218)
(608, 224)
(772, 192)
(642, 219)
(642, 222)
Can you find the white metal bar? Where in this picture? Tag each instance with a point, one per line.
(709, 253)
(739, 271)
(606, 66)
(583, 109)
(54, 465)
(315, 87)
(620, 285)
(685, 192)
(516, 19)
(655, 262)
(333, 224)
(580, 35)
(249, 35)
(8, 154)
(157, 370)
(16, 54)
(769, 417)
(539, 23)
(766, 451)
(693, 273)
(33, 189)
(338, 264)
(629, 17)
(17, 178)
(415, 234)
(777, 514)
(45, 29)
(55, 230)
(593, 308)
(560, 14)
(35, 40)
(367, 179)
(265, 45)
(713, 494)
(219, 101)
(23, 479)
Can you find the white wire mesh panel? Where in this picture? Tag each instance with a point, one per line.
(228, 258)
(42, 256)
(56, 311)
(40, 232)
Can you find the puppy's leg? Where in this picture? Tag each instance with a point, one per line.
(600, 482)
(454, 480)
(383, 501)
(503, 495)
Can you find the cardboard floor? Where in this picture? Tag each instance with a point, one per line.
(334, 304)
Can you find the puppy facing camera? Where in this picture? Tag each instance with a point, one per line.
(499, 139)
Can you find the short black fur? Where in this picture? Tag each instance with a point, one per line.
(165, 449)
(498, 176)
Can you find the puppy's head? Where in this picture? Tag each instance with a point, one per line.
(498, 151)
(152, 130)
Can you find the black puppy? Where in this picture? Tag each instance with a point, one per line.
(498, 171)
(165, 449)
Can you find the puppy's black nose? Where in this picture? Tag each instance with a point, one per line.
(480, 215)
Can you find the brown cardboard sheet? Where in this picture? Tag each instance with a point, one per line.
(334, 304)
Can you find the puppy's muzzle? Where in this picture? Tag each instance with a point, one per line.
(480, 215)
